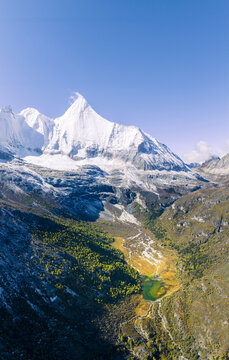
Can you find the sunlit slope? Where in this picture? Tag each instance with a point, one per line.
(197, 227)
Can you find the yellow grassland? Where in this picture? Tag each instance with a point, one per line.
(165, 269)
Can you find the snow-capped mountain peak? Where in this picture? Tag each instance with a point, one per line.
(41, 124)
(216, 166)
(79, 127)
(79, 104)
(86, 138)
(37, 121)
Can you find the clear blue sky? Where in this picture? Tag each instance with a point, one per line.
(162, 65)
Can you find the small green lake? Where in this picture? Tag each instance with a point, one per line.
(153, 288)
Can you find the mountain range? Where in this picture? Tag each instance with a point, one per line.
(85, 137)
(95, 219)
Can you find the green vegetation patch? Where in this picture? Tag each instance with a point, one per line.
(80, 255)
(197, 228)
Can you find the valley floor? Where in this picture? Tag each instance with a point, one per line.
(157, 267)
(67, 291)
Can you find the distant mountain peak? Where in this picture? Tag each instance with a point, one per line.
(216, 166)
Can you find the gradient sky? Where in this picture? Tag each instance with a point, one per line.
(162, 65)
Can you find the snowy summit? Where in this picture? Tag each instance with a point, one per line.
(80, 136)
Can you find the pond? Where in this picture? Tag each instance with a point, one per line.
(153, 288)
